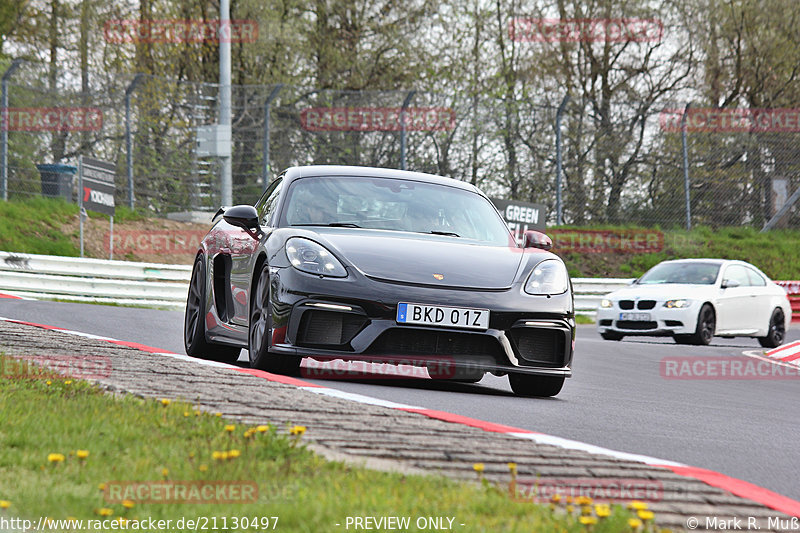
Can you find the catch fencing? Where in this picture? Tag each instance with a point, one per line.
(589, 162)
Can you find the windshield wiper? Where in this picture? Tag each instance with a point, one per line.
(332, 224)
(447, 233)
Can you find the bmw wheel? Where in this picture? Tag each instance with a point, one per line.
(706, 325)
(259, 336)
(194, 323)
(777, 330)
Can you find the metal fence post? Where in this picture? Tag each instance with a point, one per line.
(686, 168)
(403, 128)
(128, 140)
(4, 127)
(559, 113)
(270, 98)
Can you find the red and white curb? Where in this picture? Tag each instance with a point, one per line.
(788, 353)
(737, 487)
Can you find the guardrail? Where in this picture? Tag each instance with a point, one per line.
(94, 280)
(156, 284)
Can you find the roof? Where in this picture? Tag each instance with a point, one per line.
(293, 173)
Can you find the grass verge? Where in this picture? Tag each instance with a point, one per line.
(50, 426)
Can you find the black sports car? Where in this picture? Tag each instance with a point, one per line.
(380, 265)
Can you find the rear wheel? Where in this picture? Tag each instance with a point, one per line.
(612, 336)
(777, 330)
(541, 386)
(259, 336)
(194, 323)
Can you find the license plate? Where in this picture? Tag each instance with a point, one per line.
(436, 315)
(641, 317)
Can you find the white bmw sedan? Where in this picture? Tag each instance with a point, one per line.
(692, 300)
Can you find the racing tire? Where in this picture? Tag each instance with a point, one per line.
(535, 386)
(259, 334)
(194, 323)
(777, 330)
(706, 325)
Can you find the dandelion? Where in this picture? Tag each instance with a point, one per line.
(56, 457)
(217, 414)
(586, 510)
(105, 511)
(165, 401)
(102, 487)
(164, 472)
(583, 500)
(588, 520)
(230, 428)
(186, 414)
(570, 509)
(68, 382)
(637, 505)
(127, 504)
(512, 467)
(197, 413)
(555, 498)
(645, 514)
(247, 434)
(478, 467)
(634, 523)
(49, 382)
(602, 510)
(82, 454)
(233, 454)
(202, 468)
(262, 429)
(5, 504)
(297, 430)
(216, 455)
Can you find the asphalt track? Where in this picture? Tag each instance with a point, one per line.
(617, 398)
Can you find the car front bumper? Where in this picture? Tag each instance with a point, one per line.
(660, 322)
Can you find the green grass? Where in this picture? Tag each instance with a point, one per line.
(34, 226)
(776, 252)
(133, 439)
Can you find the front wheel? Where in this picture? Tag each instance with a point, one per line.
(537, 386)
(259, 336)
(776, 332)
(194, 323)
(706, 325)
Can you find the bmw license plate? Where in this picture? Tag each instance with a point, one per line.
(436, 315)
(644, 317)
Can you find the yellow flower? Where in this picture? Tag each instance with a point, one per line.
(247, 434)
(164, 472)
(216, 455)
(186, 413)
(583, 500)
(297, 430)
(512, 467)
(587, 520)
(165, 401)
(197, 413)
(217, 414)
(67, 382)
(82, 454)
(233, 454)
(262, 429)
(230, 428)
(634, 523)
(586, 510)
(101, 486)
(49, 382)
(127, 504)
(602, 510)
(637, 505)
(645, 515)
(202, 468)
(55, 457)
(570, 508)
(555, 498)
(105, 511)
(478, 467)
(5, 504)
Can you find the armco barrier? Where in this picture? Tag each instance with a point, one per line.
(155, 284)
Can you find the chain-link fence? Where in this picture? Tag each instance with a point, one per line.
(622, 162)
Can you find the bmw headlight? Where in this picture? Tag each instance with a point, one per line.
(313, 258)
(548, 277)
(605, 303)
(677, 304)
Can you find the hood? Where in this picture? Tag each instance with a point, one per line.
(662, 291)
(411, 258)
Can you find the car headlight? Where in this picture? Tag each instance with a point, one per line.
(548, 277)
(606, 303)
(677, 304)
(313, 258)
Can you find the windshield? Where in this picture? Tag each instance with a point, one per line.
(393, 204)
(691, 273)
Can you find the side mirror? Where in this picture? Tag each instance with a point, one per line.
(244, 216)
(537, 239)
(729, 283)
